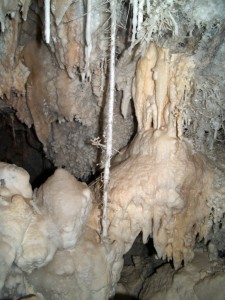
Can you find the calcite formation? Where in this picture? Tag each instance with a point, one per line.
(34, 227)
(201, 279)
(51, 241)
(162, 87)
(160, 169)
(161, 191)
(158, 186)
(157, 189)
(14, 181)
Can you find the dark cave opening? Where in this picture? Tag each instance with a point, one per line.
(145, 251)
(139, 262)
(20, 146)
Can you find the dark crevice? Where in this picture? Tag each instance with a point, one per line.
(20, 146)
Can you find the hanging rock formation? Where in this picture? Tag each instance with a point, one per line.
(159, 186)
(161, 183)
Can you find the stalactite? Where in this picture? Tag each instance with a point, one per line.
(47, 21)
(88, 46)
(140, 14)
(148, 7)
(134, 22)
(144, 89)
(161, 73)
(113, 5)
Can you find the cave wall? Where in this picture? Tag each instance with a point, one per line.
(168, 183)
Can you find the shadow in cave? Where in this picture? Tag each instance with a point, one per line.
(41, 178)
(123, 297)
(20, 146)
(27, 297)
(150, 247)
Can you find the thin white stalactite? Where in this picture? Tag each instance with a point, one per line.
(140, 14)
(88, 38)
(109, 128)
(47, 21)
(134, 21)
(148, 7)
(174, 24)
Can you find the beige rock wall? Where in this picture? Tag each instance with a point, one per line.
(199, 280)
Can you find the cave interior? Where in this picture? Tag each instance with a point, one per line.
(112, 161)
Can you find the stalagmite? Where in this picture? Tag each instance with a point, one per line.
(14, 181)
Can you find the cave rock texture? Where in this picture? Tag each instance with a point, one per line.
(167, 170)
